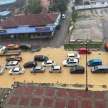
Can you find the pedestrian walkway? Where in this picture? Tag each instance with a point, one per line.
(33, 96)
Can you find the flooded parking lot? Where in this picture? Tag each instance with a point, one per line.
(98, 81)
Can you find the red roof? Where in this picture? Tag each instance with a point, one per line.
(32, 19)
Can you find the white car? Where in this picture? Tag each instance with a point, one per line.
(70, 62)
(73, 55)
(11, 64)
(16, 70)
(48, 63)
(63, 16)
(2, 69)
(55, 69)
(2, 49)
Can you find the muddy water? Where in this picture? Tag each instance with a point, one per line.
(58, 55)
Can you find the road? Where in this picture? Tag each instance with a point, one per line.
(105, 29)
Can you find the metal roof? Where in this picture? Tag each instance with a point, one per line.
(4, 13)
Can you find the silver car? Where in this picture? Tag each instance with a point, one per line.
(16, 70)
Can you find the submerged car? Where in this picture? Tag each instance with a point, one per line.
(40, 58)
(77, 69)
(84, 51)
(12, 46)
(94, 62)
(2, 49)
(30, 64)
(14, 58)
(2, 69)
(55, 69)
(16, 70)
(48, 63)
(11, 64)
(70, 62)
(73, 55)
(38, 69)
(99, 69)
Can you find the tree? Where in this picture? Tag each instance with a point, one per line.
(59, 5)
(34, 6)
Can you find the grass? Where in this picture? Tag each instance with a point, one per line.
(91, 45)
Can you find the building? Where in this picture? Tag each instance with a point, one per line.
(34, 25)
(90, 4)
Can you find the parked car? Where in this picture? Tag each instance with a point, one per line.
(48, 63)
(55, 69)
(40, 58)
(38, 69)
(94, 62)
(73, 55)
(13, 58)
(11, 64)
(12, 46)
(63, 16)
(25, 46)
(30, 64)
(2, 49)
(99, 69)
(16, 70)
(84, 51)
(70, 62)
(77, 69)
(2, 69)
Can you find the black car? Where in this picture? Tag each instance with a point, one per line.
(30, 64)
(77, 69)
(40, 58)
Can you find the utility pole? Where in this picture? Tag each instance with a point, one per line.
(86, 87)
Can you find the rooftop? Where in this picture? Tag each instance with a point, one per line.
(32, 19)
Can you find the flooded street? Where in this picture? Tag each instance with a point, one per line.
(98, 81)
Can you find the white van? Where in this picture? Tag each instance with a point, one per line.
(100, 69)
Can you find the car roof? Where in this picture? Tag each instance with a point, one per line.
(101, 67)
(16, 68)
(72, 59)
(49, 61)
(14, 62)
(71, 54)
(95, 60)
(38, 67)
(83, 49)
(56, 67)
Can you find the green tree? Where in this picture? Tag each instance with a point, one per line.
(34, 6)
(59, 5)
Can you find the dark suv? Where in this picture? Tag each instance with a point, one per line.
(77, 69)
(30, 64)
(40, 58)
